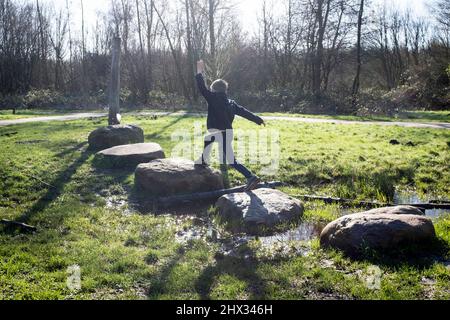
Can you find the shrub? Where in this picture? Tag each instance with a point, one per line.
(43, 98)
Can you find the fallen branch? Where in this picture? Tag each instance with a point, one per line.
(8, 134)
(174, 200)
(374, 204)
(19, 225)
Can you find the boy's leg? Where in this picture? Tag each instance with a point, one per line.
(207, 151)
(206, 154)
(227, 151)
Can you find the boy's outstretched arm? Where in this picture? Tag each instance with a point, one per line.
(243, 112)
(201, 80)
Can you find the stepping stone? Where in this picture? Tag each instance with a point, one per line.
(254, 211)
(129, 155)
(165, 177)
(111, 136)
(384, 229)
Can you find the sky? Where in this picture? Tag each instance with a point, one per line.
(248, 9)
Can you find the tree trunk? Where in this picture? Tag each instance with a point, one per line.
(190, 53)
(266, 47)
(43, 46)
(355, 88)
(144, 88)
(149, 17)
(83, 51)
(212, 38)
(317, 67)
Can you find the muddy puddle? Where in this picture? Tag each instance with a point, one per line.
(306, 231)
(295, 241)
(193, 223)
(116, 202)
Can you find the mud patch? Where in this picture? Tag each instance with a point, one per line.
(117, 198)
(293, 242)
(192, 228)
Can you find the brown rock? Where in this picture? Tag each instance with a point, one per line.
(130, 155)
(164, 177)
(111, 136)
(385, 231)
(259, 208)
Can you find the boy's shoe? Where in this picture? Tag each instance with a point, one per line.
(252, 182)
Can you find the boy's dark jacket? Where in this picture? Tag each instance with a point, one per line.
(221, 110)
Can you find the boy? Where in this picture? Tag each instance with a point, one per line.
(221, 113)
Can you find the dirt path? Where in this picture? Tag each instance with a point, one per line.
(430, 125)
(68, 117)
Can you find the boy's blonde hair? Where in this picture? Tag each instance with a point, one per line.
(219, 86)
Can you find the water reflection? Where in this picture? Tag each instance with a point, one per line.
(293, 241)
(303, 232)
(413, 198)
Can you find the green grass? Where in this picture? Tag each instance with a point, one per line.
(47, 179)
(410, 116)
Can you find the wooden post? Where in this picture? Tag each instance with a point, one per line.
(115, 84)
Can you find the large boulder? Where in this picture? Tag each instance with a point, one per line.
(129, 155)
(259, 210)
(164, 177)
(111, 136)
(385, 230)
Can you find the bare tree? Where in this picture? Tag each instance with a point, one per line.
(174, 55)
(356, 84)
(144, 87)
(322, 11)
(212, 6)
(190, 50)
(306, 49)
(57, 40)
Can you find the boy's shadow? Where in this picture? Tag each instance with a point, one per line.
(245, 269)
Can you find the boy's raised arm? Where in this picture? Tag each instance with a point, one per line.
(201, 66)
(201, 80)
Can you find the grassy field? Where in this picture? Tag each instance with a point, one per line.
(85, 217)
(412, 116)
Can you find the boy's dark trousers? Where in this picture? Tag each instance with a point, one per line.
(226, 155)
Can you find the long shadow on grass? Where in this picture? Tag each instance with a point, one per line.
(159, 287)
(167, 126)
(56, 186)
(241, 268)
